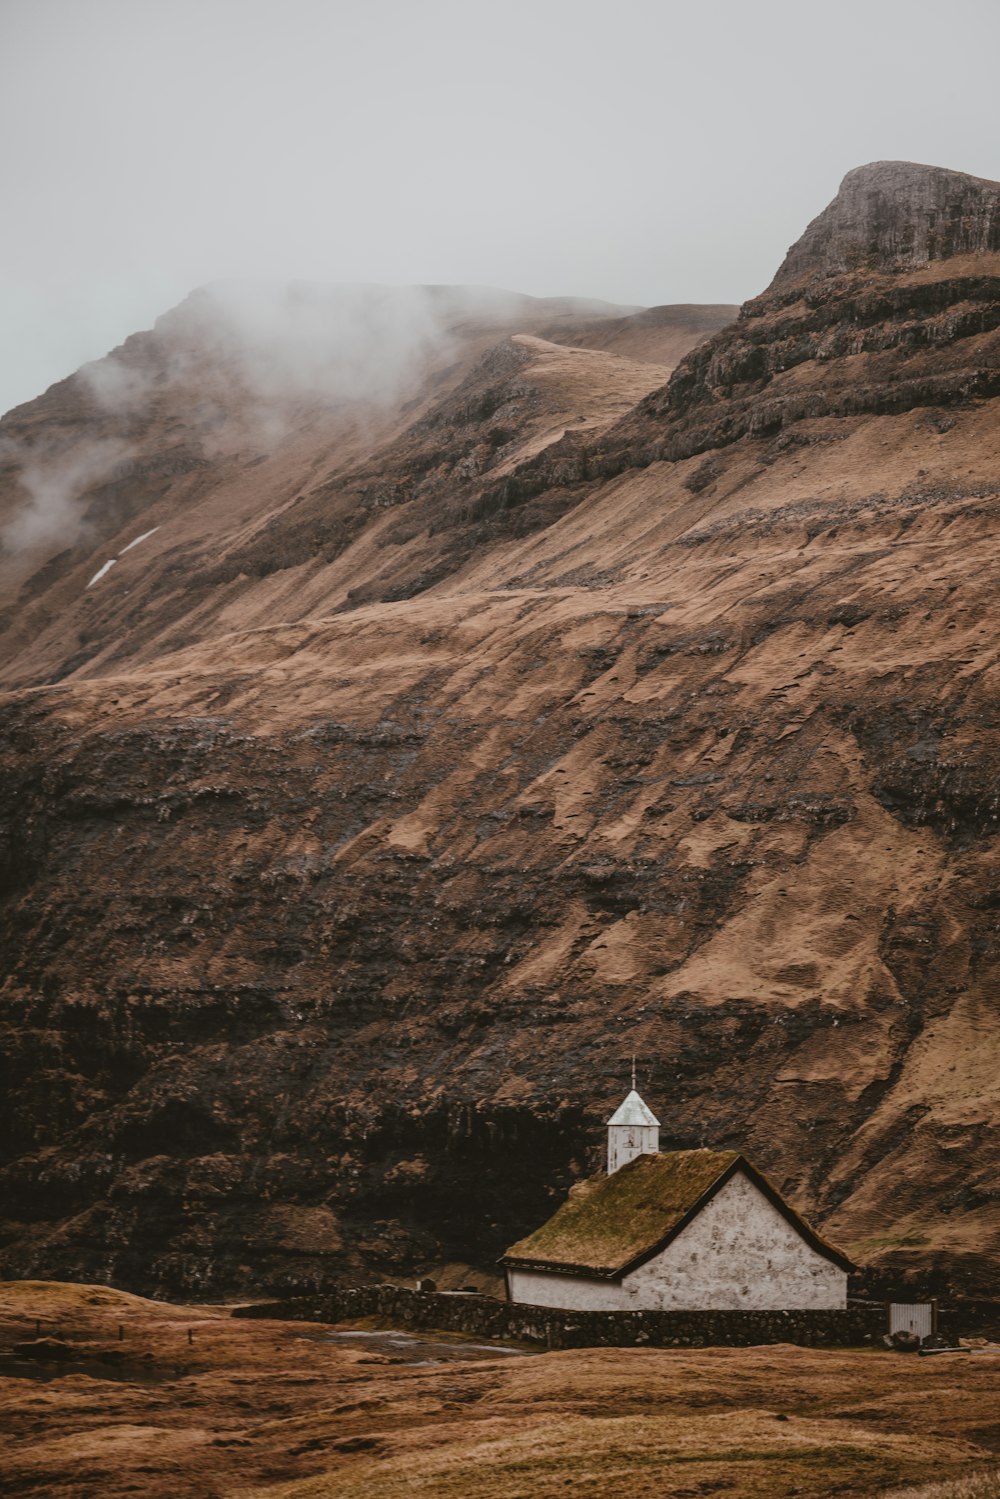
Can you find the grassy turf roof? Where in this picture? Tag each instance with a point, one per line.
(609, 1224)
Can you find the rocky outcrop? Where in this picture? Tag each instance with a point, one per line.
(893, 216)
(848, 326)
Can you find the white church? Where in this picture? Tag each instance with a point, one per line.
(692, 1230)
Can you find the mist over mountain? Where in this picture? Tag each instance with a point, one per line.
(419, 700)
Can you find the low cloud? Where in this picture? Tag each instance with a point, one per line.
(253, 353)
(52, 485)
(270, 351)
(240, 365)
(116, 385)
(339, 343)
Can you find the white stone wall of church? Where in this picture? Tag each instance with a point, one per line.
(739, 1253)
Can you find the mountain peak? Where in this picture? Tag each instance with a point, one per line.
(893, 215)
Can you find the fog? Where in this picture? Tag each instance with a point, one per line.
(642, 151)
(306, 340)
(51, 483)
(281, 343)
(247, 358)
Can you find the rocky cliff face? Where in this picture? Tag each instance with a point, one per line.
(888, 303)
(563, 715)
(892, 216)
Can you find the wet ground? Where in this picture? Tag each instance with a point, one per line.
(422, 1349)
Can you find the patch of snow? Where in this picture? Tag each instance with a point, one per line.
(101, 571)
(145, 535)
(110, 564)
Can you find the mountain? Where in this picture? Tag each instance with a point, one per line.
(321, 444)
(483, 709)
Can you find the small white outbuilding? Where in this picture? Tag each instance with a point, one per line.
(693, 1230)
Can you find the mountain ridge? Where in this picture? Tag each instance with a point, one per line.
(329, 912)
(254, 392)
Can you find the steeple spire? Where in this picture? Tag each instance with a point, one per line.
(632, 1130)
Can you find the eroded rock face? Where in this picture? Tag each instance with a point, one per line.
(338, 891)
(896, 215)
(890, 302)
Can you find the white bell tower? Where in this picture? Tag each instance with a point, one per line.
(632, 1130)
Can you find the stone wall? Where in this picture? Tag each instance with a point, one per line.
(484, 1317)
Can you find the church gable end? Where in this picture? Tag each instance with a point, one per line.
(798, 1226)
(739, 1250)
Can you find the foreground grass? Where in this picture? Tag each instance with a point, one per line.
(737, 1452)
(976, 1486)
(195, 1405)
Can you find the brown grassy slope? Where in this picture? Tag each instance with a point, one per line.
(659, 335)
(258, 465)
(328, 935)
(273, 1409)
(729, 798)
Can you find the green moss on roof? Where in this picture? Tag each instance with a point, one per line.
(609, 1221)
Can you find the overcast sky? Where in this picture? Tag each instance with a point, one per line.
(640, 151)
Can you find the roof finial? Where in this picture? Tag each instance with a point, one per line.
(633, 1072)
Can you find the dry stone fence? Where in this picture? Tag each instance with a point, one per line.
(486, 1317)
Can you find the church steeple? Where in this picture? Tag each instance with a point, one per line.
(632, 1130)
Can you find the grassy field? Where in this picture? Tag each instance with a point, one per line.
(184, 1402)
(976, 1486)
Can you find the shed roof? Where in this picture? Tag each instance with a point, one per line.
(609, 1225)
(633, 1111)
